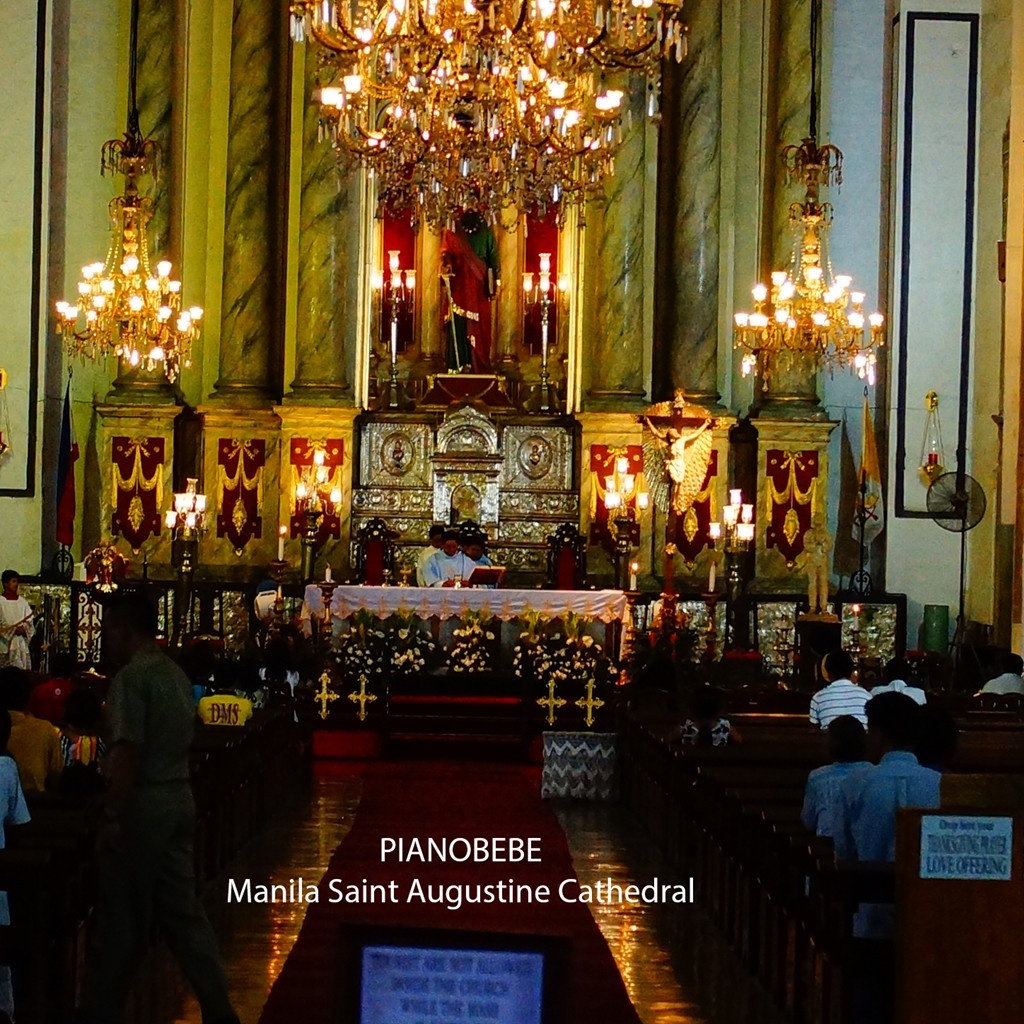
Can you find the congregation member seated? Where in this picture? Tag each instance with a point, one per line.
(81, 745)
(869, 799)
(1010, 681)
(846, 747)
(449, 565)
(895, 676)
(938, 735)
(434, 545)
(13, 811)
(280, 671)
(841, 695)
(48, 697)
(706, 726)
(34, 743)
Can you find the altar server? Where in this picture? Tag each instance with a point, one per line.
(450, 565)
(15, 624)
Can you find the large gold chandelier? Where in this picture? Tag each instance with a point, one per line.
(124, 306)
(486, 104)
(809, 311)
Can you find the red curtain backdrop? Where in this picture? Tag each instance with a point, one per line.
(300, 457)
(790, 480)
(692, 527)
(137, 466)
(602, 464)
(240, 464)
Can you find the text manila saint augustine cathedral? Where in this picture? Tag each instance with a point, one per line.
(667, 380)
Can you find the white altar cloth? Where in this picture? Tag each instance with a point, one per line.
(453, 602)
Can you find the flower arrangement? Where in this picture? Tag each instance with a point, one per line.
(471, 652)
(577, 657)
(363, 651)
(531, 656)
(411, 648)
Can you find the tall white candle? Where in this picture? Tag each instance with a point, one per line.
(394, 339)
(280, 544)
(632, 575)
(711, 578)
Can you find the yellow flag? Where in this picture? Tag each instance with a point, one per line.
(870, 503)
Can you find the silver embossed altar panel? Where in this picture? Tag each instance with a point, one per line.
(537, 458)
(871, 632)
(395, 455)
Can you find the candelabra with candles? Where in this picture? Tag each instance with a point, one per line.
(624, 500)
(311, 502)
(185, 519)
(397, 294)
(543, 294)
(737, 532)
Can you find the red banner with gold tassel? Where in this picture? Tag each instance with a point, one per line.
(137, 465)
(790, 478)
(240, 471)
(692, 526)
(602, 468)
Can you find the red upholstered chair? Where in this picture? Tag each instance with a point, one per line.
(375, 552)
(567, 558)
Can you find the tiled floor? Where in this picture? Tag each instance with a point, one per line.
(675, 969)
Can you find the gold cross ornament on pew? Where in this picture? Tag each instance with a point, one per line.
(362, 698)
(590, 702)
(551, 702)
(325, 695)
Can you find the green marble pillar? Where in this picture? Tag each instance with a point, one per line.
(689, 195)
(792, 388)
(249, 331)
(614, 315)
(329, 264)
(155, 95)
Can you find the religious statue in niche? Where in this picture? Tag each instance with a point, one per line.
(683, 450)
(470, 274)
(814, 560)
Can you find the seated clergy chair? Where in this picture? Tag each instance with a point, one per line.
(375, 553)
(567, 558)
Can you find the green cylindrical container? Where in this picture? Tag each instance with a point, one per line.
(935, 628)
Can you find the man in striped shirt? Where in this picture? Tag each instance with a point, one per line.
(841, 696)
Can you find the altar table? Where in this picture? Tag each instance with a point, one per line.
(606, 606)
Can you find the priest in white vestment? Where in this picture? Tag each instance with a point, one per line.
(449, 565)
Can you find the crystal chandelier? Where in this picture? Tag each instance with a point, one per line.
(809, 311)
(124, 307)
(486, 104)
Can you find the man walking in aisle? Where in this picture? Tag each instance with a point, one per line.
(144, 850)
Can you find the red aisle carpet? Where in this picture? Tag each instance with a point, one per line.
(447, 800)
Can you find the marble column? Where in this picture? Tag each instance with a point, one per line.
(614, 315)
(249, 331)
(428, 304)
(155, 95)
(329, 264)
(509, 326)
(792, 388)
(689, 198)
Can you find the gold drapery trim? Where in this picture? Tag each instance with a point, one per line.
(790, 494)
(240, 479)
(137, 480)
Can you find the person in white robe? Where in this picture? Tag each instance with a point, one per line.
(16, 623)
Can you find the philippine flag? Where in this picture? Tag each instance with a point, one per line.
(66, 460)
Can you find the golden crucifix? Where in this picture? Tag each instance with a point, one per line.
(590, 702)
(551, 702)
(362, 698)
(325, 695)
